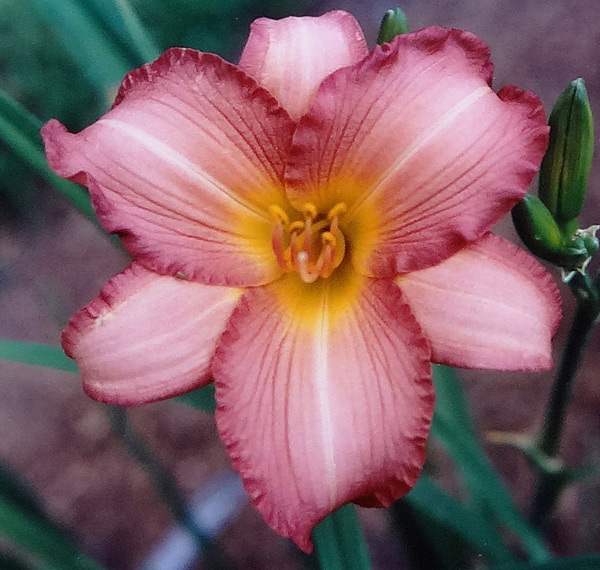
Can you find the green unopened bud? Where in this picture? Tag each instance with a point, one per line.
(394, 23)
(566, 165)
(540, 233)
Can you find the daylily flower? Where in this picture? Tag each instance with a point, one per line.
(310, 230)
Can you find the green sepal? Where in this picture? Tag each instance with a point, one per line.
(566, 166)
(394, 23)
(539, 231)
(589, 239)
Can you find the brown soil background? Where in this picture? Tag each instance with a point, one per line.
(61, 440)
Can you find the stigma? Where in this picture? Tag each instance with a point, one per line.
(312, 247)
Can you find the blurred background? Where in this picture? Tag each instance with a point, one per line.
(53, 261)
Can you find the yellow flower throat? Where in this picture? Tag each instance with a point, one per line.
(313, 247)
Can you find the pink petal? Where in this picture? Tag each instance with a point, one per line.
(491, 305)
(426, 156)
(324, 397)
(147, 337)
(290, 57)
(185, 166)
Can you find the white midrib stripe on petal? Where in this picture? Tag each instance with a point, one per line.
(444, 121)
(181, 163)
(322, 386)
(158, 340)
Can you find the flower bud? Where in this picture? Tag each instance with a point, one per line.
(540, 233)
(394, 23)
(566, 165)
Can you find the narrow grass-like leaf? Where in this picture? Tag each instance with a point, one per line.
(19, 493)
(425, 543)
(120, 19)
(462, 523)
(42, 538)
(340, 543)
(14, 113)
(453, 430)
(584, 562)
(201, 399)
(36, 354)
(20, 130)
(85, 42)
(9, 562)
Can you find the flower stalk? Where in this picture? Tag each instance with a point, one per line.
(165, 486)
(551, 482)
(548, 226)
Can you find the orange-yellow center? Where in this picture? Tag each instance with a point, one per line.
(313, 247)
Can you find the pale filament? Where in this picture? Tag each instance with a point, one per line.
(294, 243)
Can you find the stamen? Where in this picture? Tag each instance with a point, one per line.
(294, 242)
(278, 214)
(310, 213)
(328, 262)
(277, 243)
(334, 214)
(309, 210)
(337, 210)
(327, 254)
(327, 238)
(297, 226)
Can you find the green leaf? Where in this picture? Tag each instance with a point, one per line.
(585, 562)
(19, 493)
(10, 562)
(464, 524)
(36, 354)
(14, 113)
(340, 543)
(86, 42)
(201, 399)
(41, 537)
(120, 19)
(453, 430)
(20, 131)
(426, 543)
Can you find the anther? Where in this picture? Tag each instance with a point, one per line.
(334, 214)
(296, 226)
(294, 243)
(309, 210)
(337, 210)
(278, 214)
(327, 238)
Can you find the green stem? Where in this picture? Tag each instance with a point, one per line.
(550, 483)
(340, 542)
(165, 486)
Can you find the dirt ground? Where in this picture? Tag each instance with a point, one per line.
(62, 440)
